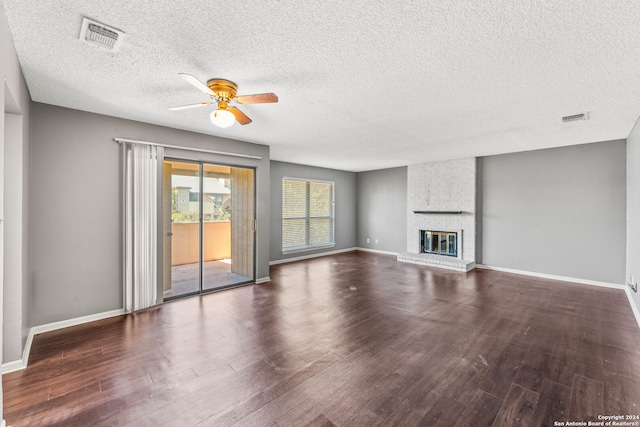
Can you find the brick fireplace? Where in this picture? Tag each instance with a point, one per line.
(441, 197)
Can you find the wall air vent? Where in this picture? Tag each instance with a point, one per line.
(103, 36)
(575, 117)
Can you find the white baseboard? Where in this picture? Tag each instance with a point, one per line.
(377, 251)
(553, 277)
(16, 365)
(316, 255)
(632, 302)
(263, 280)
(76, 321)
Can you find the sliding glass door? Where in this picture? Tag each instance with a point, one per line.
(209, 232)
(228, 226)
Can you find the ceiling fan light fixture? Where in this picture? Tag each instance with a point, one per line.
(223, 92)
(222, 118)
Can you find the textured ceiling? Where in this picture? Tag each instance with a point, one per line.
(362, 85)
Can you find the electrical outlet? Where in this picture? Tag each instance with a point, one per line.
(368, 240)
(376, 241)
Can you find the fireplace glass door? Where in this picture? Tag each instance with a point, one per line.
(439, 242)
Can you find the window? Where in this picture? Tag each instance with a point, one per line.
(307, 214)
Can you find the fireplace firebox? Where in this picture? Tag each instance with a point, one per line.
(439, 242)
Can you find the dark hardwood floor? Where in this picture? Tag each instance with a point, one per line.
(355, 339)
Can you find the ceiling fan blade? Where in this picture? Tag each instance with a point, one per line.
(241, 117)
(186, 107)
(197, 84)
(259, 98)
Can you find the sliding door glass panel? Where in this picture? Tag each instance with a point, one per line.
(181, 241)
(228, 226)
(243, 222)
(216, 205)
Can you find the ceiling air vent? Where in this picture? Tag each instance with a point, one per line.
(575, 117)
(103, 36)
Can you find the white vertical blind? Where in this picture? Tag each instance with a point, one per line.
(142, 164)
(307, 214)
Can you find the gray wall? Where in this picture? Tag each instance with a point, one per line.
(345, 207)
(14, 202)
(559, 211)
(633, 208)
(76, 206)
(16, 239)
(382, 209)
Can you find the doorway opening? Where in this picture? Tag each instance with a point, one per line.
(208, 227)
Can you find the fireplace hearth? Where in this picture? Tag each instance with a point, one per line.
(441, 249)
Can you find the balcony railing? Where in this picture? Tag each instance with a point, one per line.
(185, 243)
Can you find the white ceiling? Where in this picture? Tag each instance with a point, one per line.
(362, 85)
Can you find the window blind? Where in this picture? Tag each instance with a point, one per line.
(307, 214)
